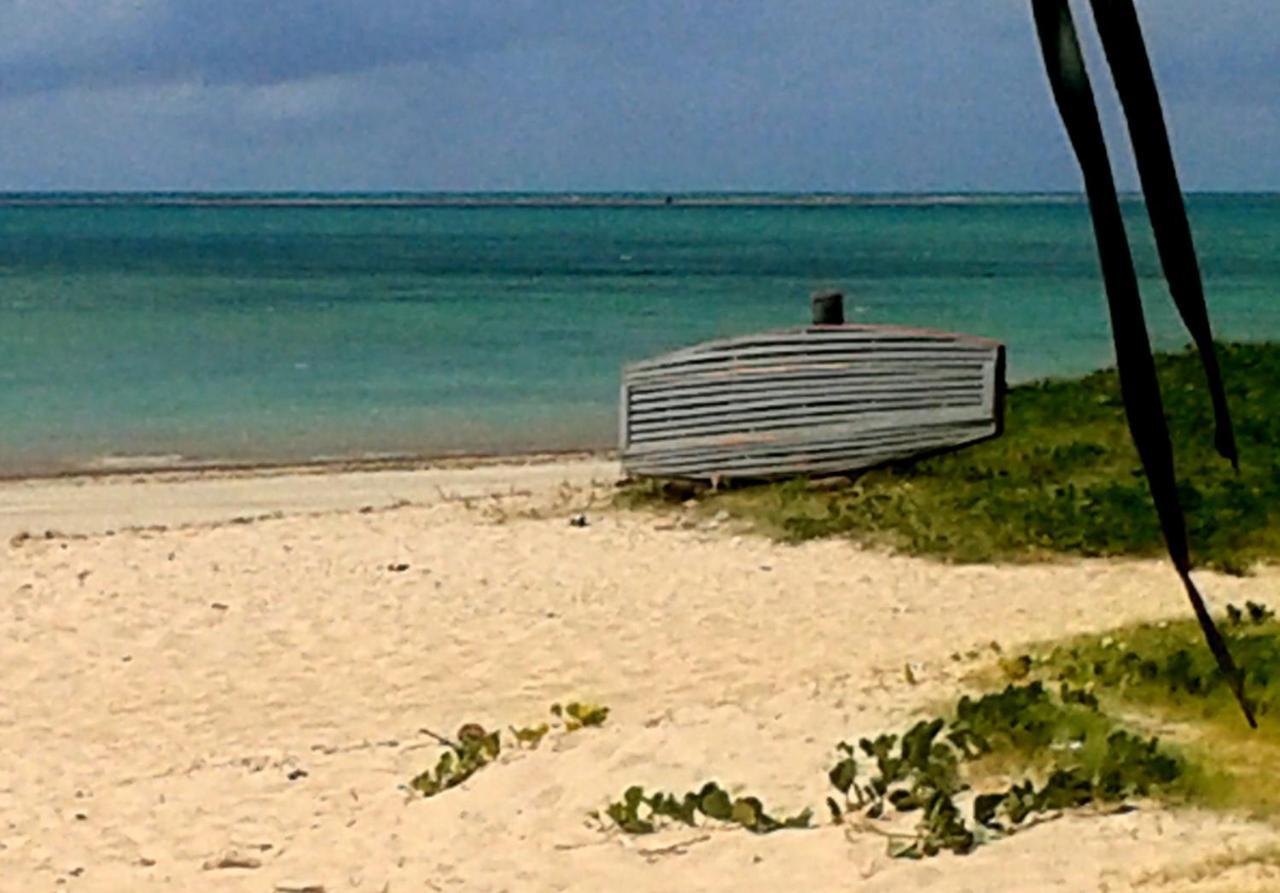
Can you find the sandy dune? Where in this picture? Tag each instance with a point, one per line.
(181, 702)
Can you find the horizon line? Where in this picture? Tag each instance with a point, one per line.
(540, 199)
(614, 192)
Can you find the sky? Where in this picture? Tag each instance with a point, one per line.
(602, 95)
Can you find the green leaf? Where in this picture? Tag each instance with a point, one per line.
(904, 801)
(917, 743)
(802, 819)
(748, 812)
(587, 714)
(531, 736)
(633, 797)
(714, 802)
(843, 775)
(908, 848)
(1259, 613)
(626, 812)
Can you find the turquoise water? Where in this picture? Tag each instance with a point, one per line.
(132, 328)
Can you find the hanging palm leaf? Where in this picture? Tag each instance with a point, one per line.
(1126, 54)
(1139, 385)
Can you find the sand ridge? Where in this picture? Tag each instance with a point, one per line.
(236, 706)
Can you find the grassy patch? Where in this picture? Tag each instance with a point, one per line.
(1160, 675)
(1063, 479)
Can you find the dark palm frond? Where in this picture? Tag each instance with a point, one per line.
(1126, 53)
(1139, 385)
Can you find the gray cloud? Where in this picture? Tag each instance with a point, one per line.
(76, 42)
(593, 94)
(241, 41)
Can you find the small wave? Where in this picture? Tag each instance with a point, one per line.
(362, 456)
(142, 460)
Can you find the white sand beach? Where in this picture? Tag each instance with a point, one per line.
(217, 682)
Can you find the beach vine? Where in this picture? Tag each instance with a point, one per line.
(921, 770)
(473, 748)
(1082, 756)
(992, 764)
(641, 813)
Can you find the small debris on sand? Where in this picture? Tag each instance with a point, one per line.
(232, 859)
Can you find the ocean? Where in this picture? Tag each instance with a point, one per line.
(170, 329)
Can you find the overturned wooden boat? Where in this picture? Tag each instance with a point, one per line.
(823, 399)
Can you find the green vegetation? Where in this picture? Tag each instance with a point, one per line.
(577, 716)
(1165, 665)
(1160, 674)
(1078, 753)
(1064, 732)
(1063, 479)
(1064, 751)
(474, 748)
(638, 813)
(463, 759)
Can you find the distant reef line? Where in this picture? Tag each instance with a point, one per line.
(525, 200)
(18, 199)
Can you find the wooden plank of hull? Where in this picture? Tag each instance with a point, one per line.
(817, 399)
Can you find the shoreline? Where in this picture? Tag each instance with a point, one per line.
(197, 469)
(108, 503)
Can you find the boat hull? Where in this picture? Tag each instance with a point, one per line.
(816, 400)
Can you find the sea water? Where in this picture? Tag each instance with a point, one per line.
(180, 329)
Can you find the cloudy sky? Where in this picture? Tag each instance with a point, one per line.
(857, 95)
